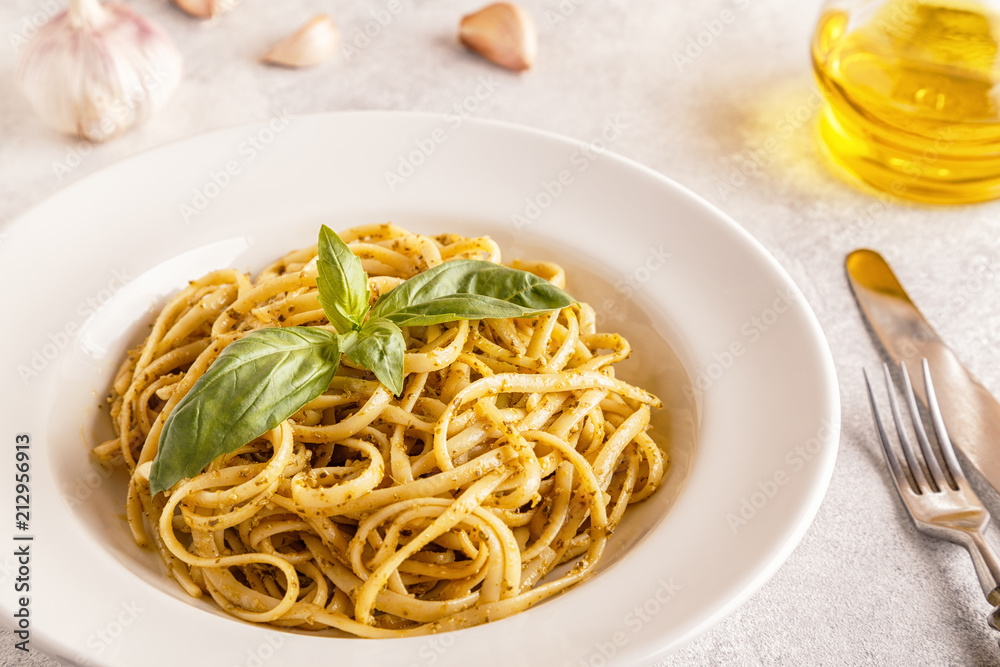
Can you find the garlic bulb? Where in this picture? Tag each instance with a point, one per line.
(96, 70)
(312, 44)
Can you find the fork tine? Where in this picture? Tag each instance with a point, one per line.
(897, 473)
(904, 441)
(950, 460)
(937, 478)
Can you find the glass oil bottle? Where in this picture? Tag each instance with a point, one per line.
(913, 95)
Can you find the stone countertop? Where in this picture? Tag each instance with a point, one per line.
(716, 95)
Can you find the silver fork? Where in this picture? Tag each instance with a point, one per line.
(940, 501)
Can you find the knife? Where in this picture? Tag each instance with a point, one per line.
(971, 412)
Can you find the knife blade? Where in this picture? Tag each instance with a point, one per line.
(969, 410)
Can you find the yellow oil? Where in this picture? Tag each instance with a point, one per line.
(913, 98)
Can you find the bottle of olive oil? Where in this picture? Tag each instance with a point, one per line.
(913, 96)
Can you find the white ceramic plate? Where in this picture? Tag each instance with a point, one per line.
(83, 270)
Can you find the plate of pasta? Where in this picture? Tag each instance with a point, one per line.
(347, 398)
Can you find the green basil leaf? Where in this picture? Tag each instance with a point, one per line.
(379, 347)
(256, 383)
(467, 289)
(342, 282)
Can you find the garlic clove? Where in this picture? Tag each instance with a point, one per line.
(503, 33)
(205, 9)
(312, 44)
(96, 70)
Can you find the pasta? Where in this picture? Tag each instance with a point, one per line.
(512, 450)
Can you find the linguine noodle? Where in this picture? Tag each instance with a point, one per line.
(512, 449)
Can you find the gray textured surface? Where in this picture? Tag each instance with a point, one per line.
(863, 587)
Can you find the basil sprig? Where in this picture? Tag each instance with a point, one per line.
(267, 375)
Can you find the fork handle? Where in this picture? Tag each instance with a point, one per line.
(987, 565)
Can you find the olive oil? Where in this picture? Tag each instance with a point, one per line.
(913, 97)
